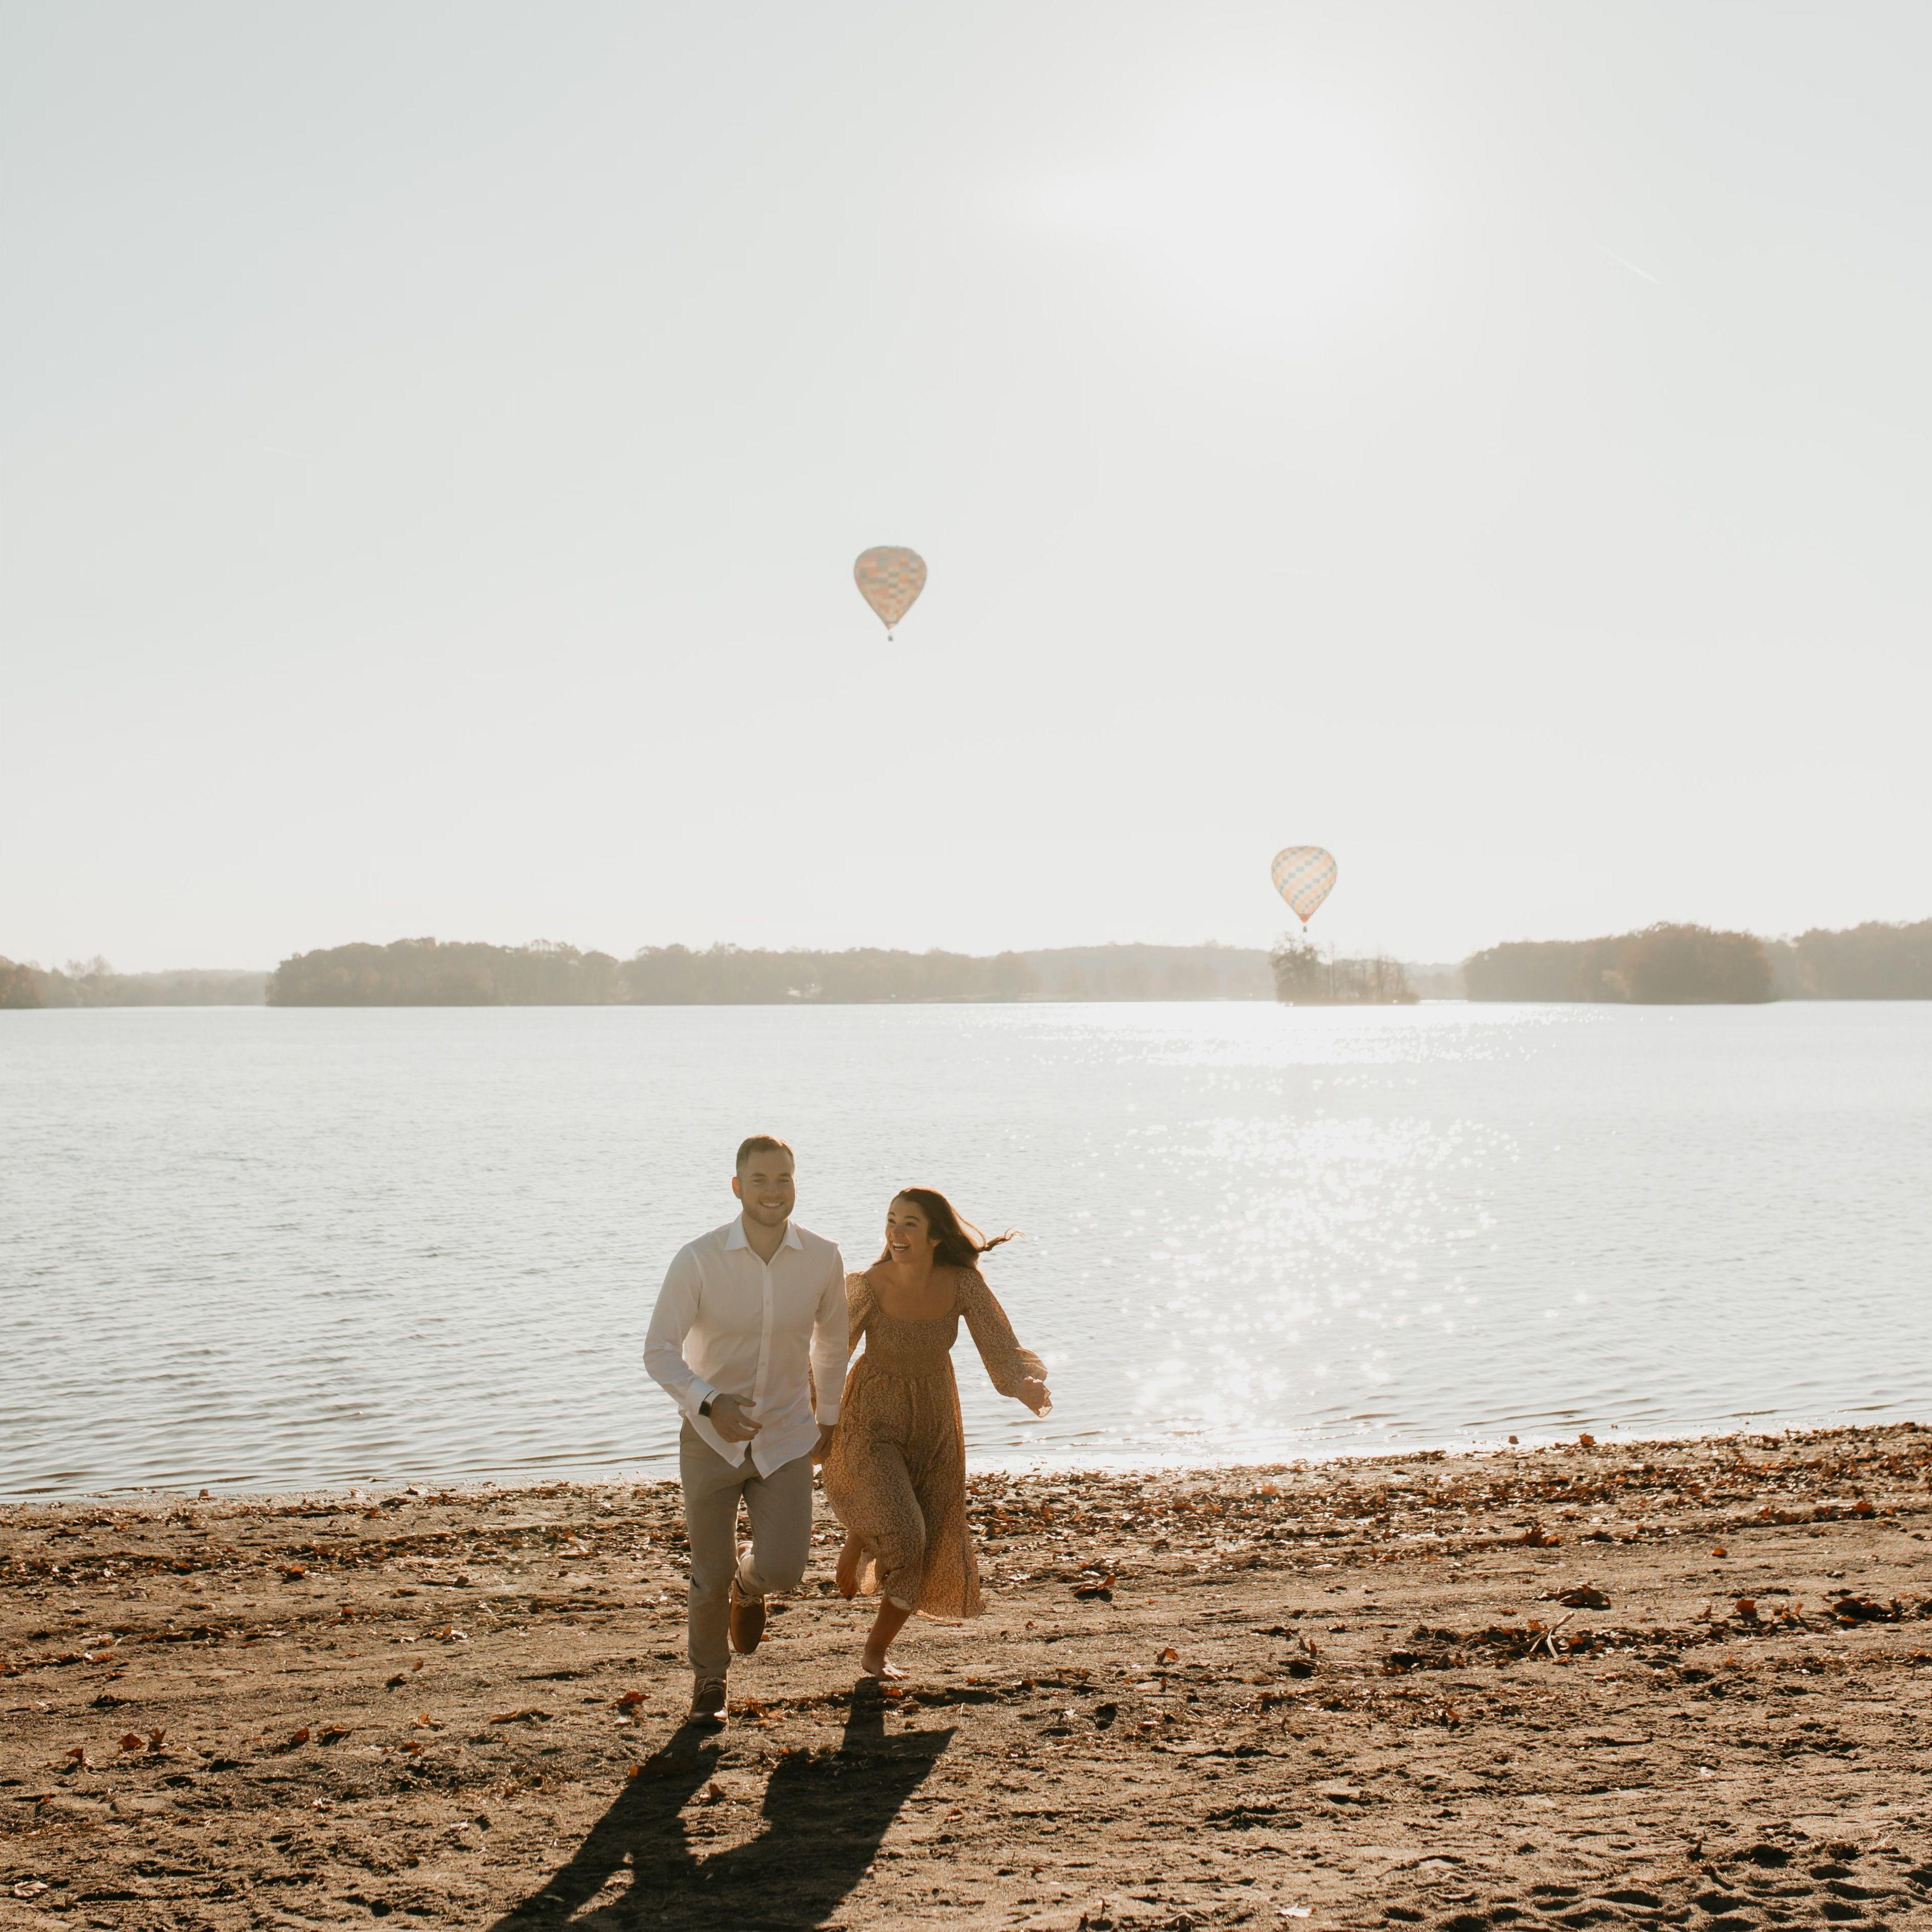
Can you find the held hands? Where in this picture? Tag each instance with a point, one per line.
(826, 1430)
(1035, 1394)
(729, 1419)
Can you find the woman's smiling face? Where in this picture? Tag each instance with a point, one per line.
(909, 1236)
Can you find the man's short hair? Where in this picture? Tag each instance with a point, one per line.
(764, 1144)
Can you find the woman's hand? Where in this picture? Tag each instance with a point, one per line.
(1035, 1394)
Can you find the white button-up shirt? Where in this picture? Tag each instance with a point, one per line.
(727, 1323)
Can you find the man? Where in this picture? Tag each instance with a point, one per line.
(743, 1311)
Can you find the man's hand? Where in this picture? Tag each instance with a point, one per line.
(1035, 1394)
(826, 1430)
(728, 1417)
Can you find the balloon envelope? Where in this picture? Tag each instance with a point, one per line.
(889, 578)
(1304, 875)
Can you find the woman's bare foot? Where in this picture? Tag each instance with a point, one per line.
(846, 1574)
(877, 1663)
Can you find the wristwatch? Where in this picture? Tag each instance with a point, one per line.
(704, 1407)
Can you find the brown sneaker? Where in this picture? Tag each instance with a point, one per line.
(748, 1621)
(707, 1701)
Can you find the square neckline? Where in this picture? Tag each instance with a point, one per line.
(881, 1308)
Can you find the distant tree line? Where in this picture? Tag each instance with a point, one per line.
(1673, 965)
(1207, 972)
(1692, 964)
(430, 972)
(1872, 962)
(1663, 964)
(93, 982)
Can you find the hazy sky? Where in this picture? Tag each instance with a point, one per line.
(1489, 440)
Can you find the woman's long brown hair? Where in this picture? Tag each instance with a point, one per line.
(961, 1244)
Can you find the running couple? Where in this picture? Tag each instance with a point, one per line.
(751, 1333)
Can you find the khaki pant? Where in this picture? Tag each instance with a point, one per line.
(780, 1507)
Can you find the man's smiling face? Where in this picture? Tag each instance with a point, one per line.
(765, 1186)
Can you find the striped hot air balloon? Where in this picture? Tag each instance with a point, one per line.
(1304, 875)
(889, 578)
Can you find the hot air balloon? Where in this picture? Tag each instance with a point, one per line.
(1304, 875)
(889, 578)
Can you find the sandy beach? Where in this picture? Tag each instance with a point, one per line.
(1603, 1683)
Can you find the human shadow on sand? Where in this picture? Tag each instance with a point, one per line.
(825, 1816)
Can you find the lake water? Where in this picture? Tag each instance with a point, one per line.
(260, 1249)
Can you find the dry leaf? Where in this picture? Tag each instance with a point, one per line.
(301, 1738)
(630, 1700)
(133, 1741)
(1169, 1655)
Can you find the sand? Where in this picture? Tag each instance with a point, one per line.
(1684, 1684)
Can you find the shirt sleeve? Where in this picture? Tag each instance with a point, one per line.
(831, 1349)
(671, 1321)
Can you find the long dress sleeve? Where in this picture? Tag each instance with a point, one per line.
(859, 1306)
(1007, 1363)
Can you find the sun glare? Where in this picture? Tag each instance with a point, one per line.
(1262, 214)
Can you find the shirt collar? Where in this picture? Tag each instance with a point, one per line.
(735, 1238)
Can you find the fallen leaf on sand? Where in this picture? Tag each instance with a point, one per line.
(300, 1738)
(334, 1734)
(78, 1755)
(1584, 1597)
(1720, 1551)
(133, 1741)
(630, 1700)
(529, 1715)
(1169, 1655)
(401, 1678)
(292, 1570)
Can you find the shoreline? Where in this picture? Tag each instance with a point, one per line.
(1409, 1686)
(625, 1475)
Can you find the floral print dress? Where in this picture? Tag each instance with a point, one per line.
(896, 1473)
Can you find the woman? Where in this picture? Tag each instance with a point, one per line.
(895, 1472)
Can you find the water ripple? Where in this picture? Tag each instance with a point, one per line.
(262, 1249)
